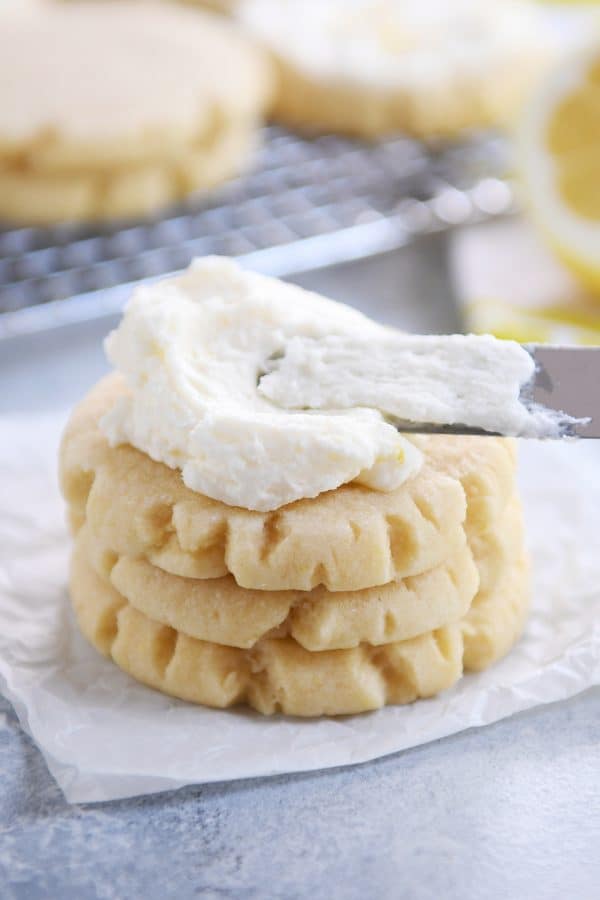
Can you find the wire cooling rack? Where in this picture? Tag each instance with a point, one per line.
(299, 190)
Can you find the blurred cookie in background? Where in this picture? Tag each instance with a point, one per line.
(426, 67)
(118, 109)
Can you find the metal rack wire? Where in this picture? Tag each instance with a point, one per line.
(298, 189)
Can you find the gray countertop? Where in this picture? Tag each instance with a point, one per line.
(508, 811)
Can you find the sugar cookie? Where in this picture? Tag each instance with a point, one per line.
(80, 139)
(496, 619)
(427, 67)
(275, 675)
(346, 540)
(220, 611)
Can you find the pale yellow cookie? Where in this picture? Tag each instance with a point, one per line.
(499, 610)
(496, 549)
(427, 67)
(218, 610)
(486, 468)
(348, 539)
(39, 198)
(134, 106)
(497, 618)
(273, 676)
(359, 110)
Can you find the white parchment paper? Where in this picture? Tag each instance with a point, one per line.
(104, 736)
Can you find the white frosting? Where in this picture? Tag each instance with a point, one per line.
(192, 349)
(455, 379)
(263, 393)
(396, 43)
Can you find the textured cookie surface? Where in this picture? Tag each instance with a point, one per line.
(273, 676)
(499, 610)
(279, 675)
(496, 620)
(485, 467)
(158, 123)
(346, 540)
(499, 546)
(218, 610)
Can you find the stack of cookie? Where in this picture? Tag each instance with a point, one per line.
(118, 109)
(333, 605)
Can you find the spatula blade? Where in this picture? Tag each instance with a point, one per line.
(567, 379)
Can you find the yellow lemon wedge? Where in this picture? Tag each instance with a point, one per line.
(559, 159)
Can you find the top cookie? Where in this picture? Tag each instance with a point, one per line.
(347, 539)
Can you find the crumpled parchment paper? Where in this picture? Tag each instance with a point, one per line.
(104, 736)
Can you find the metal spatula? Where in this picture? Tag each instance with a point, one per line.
(567, 379)
(562, 395)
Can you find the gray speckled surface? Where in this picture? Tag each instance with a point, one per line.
(509, 811)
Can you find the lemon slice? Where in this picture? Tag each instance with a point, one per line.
(559, 150)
